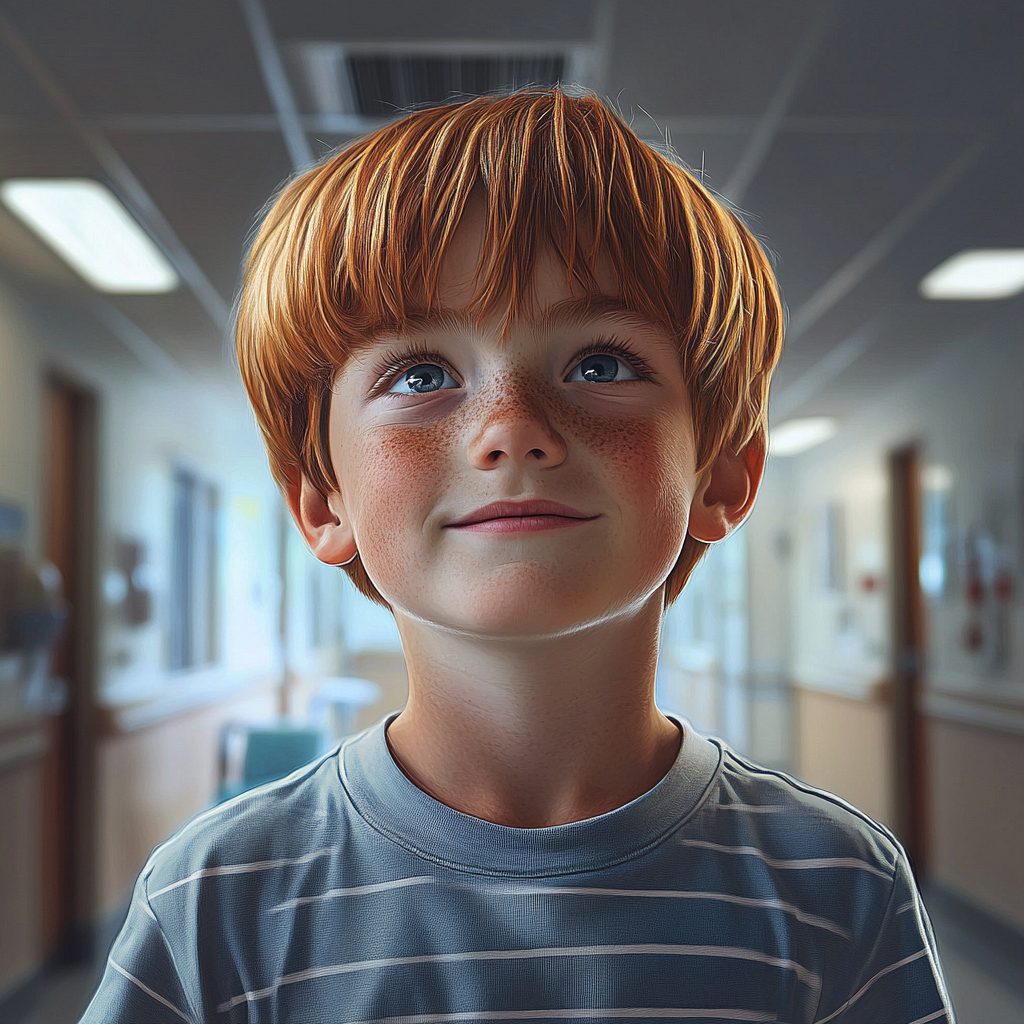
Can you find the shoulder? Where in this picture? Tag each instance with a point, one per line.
(294, 821)
(847, 882)
(837, 878)
(796, 828)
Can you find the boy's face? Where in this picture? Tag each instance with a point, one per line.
(583, 407)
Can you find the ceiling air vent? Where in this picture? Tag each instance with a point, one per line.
(377, 80)
(383, 84)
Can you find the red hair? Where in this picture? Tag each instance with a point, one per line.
(354, 246)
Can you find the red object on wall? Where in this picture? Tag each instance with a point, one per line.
(974, 636)
(1003, 587)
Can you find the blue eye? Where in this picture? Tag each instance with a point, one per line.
(423, 378)
(602, 369)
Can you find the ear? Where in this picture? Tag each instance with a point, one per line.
(322, 521)
(727, 491)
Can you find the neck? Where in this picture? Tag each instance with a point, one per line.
(535, 733)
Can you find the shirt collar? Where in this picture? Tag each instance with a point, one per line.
(392, 805)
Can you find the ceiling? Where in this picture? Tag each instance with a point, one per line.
(865, 141)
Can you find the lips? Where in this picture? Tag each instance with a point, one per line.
(520, 510)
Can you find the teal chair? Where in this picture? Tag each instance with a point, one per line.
(271, 752)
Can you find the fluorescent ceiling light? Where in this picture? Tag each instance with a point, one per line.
(796, 436)
(85, 224)
(977, 274)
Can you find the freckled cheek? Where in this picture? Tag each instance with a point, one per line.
(395, 485)
(647, 464)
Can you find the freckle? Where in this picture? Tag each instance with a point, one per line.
(412, 441)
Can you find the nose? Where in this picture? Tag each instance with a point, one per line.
(516, 431)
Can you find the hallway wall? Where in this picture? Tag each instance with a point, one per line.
(19, 862)
(845, 748)
(965, 412)
(20, 414)
(19, 760)
(154, 777)
(977, 817)
(156, 750)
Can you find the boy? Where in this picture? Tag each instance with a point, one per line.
(512, 370)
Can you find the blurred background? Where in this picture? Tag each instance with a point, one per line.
(165, 637)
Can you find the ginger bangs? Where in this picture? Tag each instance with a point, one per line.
(354, 247)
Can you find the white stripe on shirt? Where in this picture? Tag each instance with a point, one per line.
(931, 1016)
(885, 970)
(244, 869)
(605, 1012)
(752, 808)
(638, 949)
(743, 901)
(149, 992)
(804, 864)
(354, 890)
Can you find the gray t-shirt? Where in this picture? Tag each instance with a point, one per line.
(344, 893)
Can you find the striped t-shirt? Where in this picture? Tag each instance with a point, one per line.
(344, 893)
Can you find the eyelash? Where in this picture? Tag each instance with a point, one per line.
(613, 346)
(393, 363)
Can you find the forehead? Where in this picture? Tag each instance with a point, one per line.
(570, 313)
(536, 281)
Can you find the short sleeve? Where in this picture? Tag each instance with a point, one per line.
(140, 981)
(900, 980)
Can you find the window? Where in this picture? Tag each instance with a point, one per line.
(193, 618)
(834, 547)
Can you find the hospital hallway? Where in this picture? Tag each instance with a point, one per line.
(168, 641)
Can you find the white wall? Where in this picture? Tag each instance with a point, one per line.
(967, 413)
(148, 427)
(20, 415)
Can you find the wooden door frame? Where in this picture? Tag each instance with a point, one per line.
(76, 763)
(909, 754)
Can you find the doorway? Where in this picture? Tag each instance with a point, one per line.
(68, 541)
(909, 751)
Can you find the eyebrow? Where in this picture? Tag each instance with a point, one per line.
(579, 311)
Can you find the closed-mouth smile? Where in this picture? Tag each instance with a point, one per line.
(518, 516)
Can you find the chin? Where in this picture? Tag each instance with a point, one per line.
(527, 609)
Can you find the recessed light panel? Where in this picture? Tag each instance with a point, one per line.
(85, 224)
(796, 436)
(976, 275)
